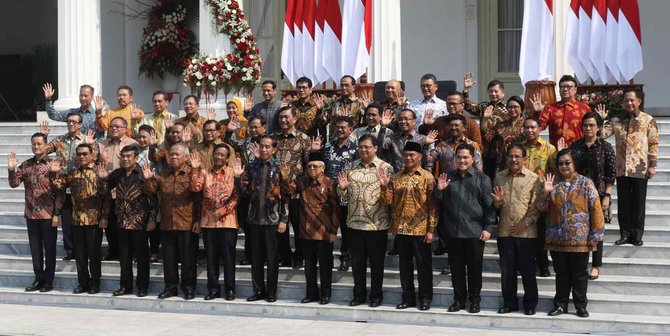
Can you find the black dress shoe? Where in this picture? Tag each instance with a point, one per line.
(582, 312)
(142, 293)
(69, 256)
(94, 290)
(271, 299)
(529, 311)
(424, 306)
(46, 288)
(394, 251)
(356, 302)
(545, 273)
(212, 296)
(244, 262)
(455, 307)
(167, 293)
(110, 257)
(36, 285)
(257, 296)
(324, 300)
(189, 295)
(405, 305)
(285, 263)
(120, 291)
(80, 289)
(439, 251)
(298, 264)
(557, 311)
(343, 268)
(474, 308)
(638, 243)
(446, 271)
(506, 310)
(624, 240)
(374, 303)
(230, 295)
(308, 299)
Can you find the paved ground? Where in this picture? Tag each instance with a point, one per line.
(40, 320)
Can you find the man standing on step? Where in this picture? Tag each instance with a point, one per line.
(414, 218)
(469, 215)
(127, 109)
(86, 110)
(42, 210)
(135, 214)
(180, 223)
(88, 185)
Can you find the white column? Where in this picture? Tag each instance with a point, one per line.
(561, 66)
(386, 53)
(79, 55)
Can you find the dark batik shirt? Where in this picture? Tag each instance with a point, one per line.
(319, 207)
(88, 192)
(133, 207)
(41, 200)
(178, 209)
(261, 183)
(595, 162)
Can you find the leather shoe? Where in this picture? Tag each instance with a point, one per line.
(244, 262)
(230, 295)
(80, 289)
(393, 251)
(446, 271)
(638, 243)
(94, 290)
(308, 299)
(424, 306)
(285, 263)
(506, 310)
(356, 302)
(36, 285)
(142, 293)
(120, 291)
(474, 308)
(110, 257)
(455, 307)
(375, 302)
(271, 298)
(545, 273)
(405, 305)
(624, 240)
(440, 251)
(324, 300)
(212, 296)
(343, 268)
(189, 295)
(529, 311)
(298, 264)
(557, 311)
(256, 297)
(46, 288)
(167, 293)
(582, 312)
(69, 256)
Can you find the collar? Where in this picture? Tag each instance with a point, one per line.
(524, 171)
(350, 99)
(417, 171)
(571, 103)
(44, 158)
(348, 144)
(78, 136)
(89, 167)
(193, 118)
(161, 114)
(91, 109)
(375, 129)
(375, 163)
(459, 141)
(183, 170)
(293, 133)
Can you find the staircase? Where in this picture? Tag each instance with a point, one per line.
(631, 295)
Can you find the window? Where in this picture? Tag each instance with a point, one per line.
(510, 20)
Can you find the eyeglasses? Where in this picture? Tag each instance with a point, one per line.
(116, 126)
(72, 122)
(454, 104)
(210, 130)
(564, 163)
(566, 87)
(314, 166)
(81, 154)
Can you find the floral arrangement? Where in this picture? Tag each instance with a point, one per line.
(207, 75)
(166, 41)
(612, 99)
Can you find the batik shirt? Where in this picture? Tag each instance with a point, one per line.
(564, 121)
(410, 197)
(178, 205)
(219, 197)
(88, 193)
(540, 158)
(319, 207)
(261, 182)
(134, 208)
(42, 202)
(636, 143)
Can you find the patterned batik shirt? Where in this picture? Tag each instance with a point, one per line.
(410, 197)
(88, 193)
(636, 143)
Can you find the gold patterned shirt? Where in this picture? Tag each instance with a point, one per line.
(306, 117)
(636, 143)
(219, 197)
(410, 198)
(521, 192)
(541, 157)
(195, 124)
(103, 120)
(88, 192)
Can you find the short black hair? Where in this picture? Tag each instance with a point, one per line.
(74, 114)
(353, 80)
(273, 139)
(429, 76)
(259, 118)
(370, 137)
(533, 119)
(86, 86)
(453, 116)
(271, 82)
(304, 80)
(146, 128)
(346, 119)
(518, 100)
(639, 94)
(568, 78)
(39, 135)
(159, 92)
(593, 115)
(125, 87)
(294, 112)
(125, 122)
(212, 121)
(517, 145)
(85, 145)
(197, 100)
(456, 93)
(222, 145)
(564, 152)
(131, 148)
(410, 110)
(466, 146)
(374, 105)
(494, 83)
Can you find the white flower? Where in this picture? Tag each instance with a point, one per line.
(198, 75)
(197, 83)
(213, 83)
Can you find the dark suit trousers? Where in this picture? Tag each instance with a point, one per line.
(111, 234)
(134, 242)
(632, 194)
(344, 230)
(66, 225)
(320, 251)
(264, 249)
(517, 253)
(242, 214)
(541, 256)
(42, 240)
(571, 274)
(368, 246)
(465, 257)
(285, 238)
(87, 241)
(220, 244)
(410, 249)
(179, 246)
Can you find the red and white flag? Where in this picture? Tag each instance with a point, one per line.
(537, 41)
(629, 42)
(308, 34)
(611, 36)
(356, 36)
(570, 49)
(297, 44)
(332, 39)
(598, 39)
(584, 45)
(287, 43)
(320, 72)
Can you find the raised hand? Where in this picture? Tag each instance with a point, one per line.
(442, 182)
(387, 117)
(89, 137)
(429, 117)
(287, 100)
(147, 172)
(319, 101)
(560, 144)
(187, 135)
(316, 143)
(249, 102)
(44, 127)
(48, 91)
(99, 103)
(488, 111)
(468, 82)
(11, 161)
(365, 98)
(238, 169)
(431, 137)
(284, 170)
(498, 194)
(548, 184)
(102, 171)
(383, 177)
(211, 114)
(255, 150)
(134, 112)
(536, 101)
(55, 166)
(343, 180)
(153, 138)
(233, 124)
(195, 160)
(168, 122)
(602, 111)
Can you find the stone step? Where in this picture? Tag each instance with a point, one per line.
(29, 128)
(340, 311)
(654, 188)
(652, 203)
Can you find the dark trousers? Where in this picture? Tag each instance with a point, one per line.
(66, 225)
(134, 242)
(220, 244)
(571, 274)
(285, 238)
(632, 193)
(179, 246)
(264, 249)
(597, 256)
(154, 240)
(42, 240)
(320, 251)
(413, 249)
(344, 231)
(368, 246)
(541, 256)
(465, 257)
(242, 215)
(517, 254)
(87, 241)
(112, 235)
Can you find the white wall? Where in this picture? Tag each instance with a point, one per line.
(655, 50)
(27, 23)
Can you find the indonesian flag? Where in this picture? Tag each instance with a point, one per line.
(356, 36)
(584, 45)
(320, 72)
(611, 36)
(332, 39)
(572, 42)
(308, 34)
(297, 44)
(537, 41)
(629, 41)
(598, 39)
(287, 43)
